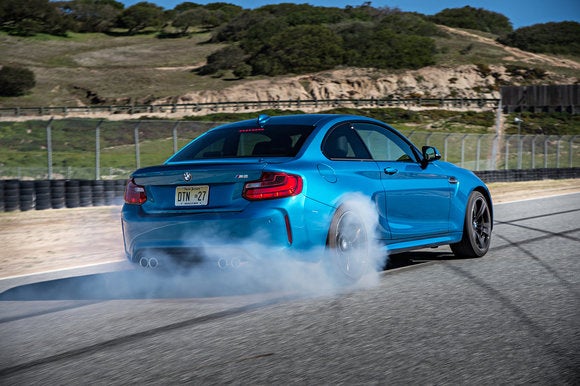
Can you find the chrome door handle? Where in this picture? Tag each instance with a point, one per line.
(453, 180)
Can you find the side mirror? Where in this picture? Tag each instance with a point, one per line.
(430, 154)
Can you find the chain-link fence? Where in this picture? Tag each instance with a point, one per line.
(98, 149)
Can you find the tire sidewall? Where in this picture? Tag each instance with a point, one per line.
(335, 259)
(477, 251)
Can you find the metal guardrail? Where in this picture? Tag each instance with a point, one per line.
(478, 103)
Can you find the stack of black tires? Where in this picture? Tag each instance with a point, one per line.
(56, 194)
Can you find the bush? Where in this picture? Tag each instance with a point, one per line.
(243, 71)
(474, 18)
(554, 38)
(379, 46)
(16, 81)
(228, 58)
(299, 50)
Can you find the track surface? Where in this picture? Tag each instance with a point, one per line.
(512, 317)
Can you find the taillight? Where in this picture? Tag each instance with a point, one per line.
(134, 194)
(273, 185)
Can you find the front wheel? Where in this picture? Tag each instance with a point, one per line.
(476, 229)
(348, 245)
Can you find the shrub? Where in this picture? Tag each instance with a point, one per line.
(555, 38)
(16, 81)
(474, 18)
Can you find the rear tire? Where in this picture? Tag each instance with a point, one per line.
(348, 245)
(476, 229)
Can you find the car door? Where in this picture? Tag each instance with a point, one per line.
(350, 168)
(417, 199)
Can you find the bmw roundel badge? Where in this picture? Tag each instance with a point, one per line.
(187, 176)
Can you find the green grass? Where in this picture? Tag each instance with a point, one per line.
(116, 68)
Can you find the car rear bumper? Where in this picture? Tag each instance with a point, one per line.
(226, 237)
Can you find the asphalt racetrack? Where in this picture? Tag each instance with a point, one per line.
(512, 317)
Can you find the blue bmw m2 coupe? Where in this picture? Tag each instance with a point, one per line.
(289, 182)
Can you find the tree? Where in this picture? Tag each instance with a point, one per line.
(237, 29)
(555, 38)
(224, 11)
(190, 18)
(300, 49)
(186, 6)
(243, 70)
(378, 46)
(141, 16)
(227, 58)
(94, 15)
(16, 81)
(29, 17)
(409, 24)
(474, 18)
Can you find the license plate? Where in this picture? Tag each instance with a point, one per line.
(191, 195)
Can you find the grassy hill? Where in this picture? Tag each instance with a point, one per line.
(72, 70)
(95, 68)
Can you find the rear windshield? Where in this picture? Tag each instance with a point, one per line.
(237, 142)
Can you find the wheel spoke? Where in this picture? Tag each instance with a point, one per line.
(485, 230)
(481, 240)
(481, 210)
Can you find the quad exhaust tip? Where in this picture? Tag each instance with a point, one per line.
(152, 262)
(229, 263)
(222, 263)
(146, 262)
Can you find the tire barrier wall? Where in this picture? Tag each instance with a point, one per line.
(57, 194)
(515, 175)
(27, 195)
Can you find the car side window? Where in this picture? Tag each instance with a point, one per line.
(383, 144)
(344, 143)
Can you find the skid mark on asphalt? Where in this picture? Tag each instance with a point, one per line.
(91, 349)
(542, 263)
(550, 235)
(46, 312)
(539, 216)
(561, 357)
(547, 234)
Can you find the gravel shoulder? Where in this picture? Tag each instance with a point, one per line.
(54, 239)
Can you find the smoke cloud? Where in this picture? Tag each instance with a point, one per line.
(267, 269)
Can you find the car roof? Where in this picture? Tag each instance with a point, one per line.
(297, 119)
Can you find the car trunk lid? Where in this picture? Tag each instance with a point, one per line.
(197, 187)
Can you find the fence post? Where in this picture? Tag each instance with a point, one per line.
(175, 136)
(463, 149)
(534, 151)
(445, 147)
(546, 151)
(498, 133)
(520, 150)
(49, 147)
(137, 152)
(478, 151)
(571, 150)
(428, 138)
(507, 152)
(558, 152)
(98, 150)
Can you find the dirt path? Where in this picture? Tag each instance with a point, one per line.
(516, 53)
(38, 241)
